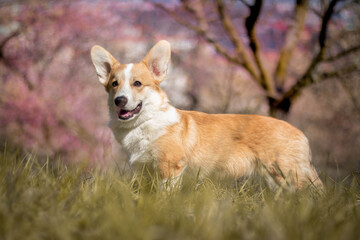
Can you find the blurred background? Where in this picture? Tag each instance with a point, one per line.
(297, 60)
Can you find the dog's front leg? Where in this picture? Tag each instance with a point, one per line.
(172, 182)
(171, 172)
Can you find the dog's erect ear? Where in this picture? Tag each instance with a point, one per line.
(103, 62)
(157, 60)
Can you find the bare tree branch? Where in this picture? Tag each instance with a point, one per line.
(291, 40)
(245, 3)
(197, 9)
(316, 12)
(237, 41)
(253, 62)
(349, 69)
(201, 32)
(306, 78)
(266, 80)
(324, 26)
(7, 39)
(10, 66)
(345, 5)
(342, 54)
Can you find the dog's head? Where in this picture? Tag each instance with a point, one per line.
(134, 91)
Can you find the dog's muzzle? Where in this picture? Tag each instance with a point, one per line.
(127, 114)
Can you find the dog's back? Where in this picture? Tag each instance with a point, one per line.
(232, 146)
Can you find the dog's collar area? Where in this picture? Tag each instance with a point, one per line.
(126, 114)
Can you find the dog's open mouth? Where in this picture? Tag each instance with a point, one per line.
(126, 114)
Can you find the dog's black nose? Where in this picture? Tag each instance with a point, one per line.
(121, 101)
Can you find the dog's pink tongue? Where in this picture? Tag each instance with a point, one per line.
(125, 114)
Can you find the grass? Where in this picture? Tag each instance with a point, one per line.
(56, 201)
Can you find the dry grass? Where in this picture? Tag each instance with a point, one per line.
(55, 201)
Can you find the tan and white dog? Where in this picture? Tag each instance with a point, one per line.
(226, 145)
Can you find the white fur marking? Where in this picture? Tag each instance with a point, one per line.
(127, 72)
(126, 89)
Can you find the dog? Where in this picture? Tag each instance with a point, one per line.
(171, 140)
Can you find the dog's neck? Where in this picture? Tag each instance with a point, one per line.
(137, 140)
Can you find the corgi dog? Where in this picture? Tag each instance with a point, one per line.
(155, 133)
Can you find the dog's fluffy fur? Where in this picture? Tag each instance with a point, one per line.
(171, 140)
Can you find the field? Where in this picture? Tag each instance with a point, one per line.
(39, 200)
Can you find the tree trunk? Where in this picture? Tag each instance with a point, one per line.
(279, 108)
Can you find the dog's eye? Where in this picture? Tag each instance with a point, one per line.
(115, 84)
(137, 84)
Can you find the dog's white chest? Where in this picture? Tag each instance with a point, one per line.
(138, 143)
